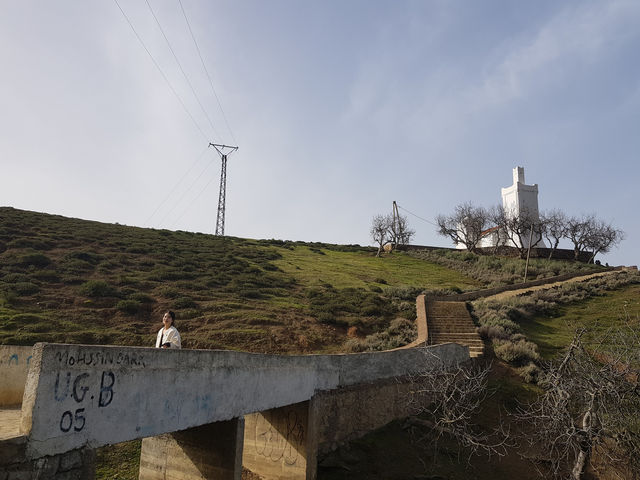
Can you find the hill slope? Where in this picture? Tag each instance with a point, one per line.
(77, 281)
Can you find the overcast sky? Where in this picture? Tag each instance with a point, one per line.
(338, 108)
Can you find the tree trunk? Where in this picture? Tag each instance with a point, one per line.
(585, 448)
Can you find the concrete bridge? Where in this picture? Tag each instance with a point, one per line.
(201, 413)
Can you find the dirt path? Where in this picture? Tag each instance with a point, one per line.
(513, 293)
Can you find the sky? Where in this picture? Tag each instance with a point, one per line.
(338, 109)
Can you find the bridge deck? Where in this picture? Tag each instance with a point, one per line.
(9, 422)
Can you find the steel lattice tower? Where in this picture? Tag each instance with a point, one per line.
(222, 197)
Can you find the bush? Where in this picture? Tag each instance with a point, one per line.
(27, 318)
(167, 291)
(25, 288)
(184, 302)
(130, 307)
(47, 276)
(97, 288)
(141, 297)
(517, 353)
(38, 260)
(530, 373)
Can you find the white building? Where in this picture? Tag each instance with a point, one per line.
(518, 200)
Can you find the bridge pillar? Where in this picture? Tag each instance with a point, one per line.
(212, 451)
(278, 444)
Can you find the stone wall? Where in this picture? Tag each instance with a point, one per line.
(14, 365)
(77, 464)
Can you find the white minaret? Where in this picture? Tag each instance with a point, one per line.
(520, 198)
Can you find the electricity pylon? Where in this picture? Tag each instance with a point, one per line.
(223, 150)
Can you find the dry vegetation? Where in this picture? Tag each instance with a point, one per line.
(75, 281)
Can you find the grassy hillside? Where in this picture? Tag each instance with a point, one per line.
(77, 281)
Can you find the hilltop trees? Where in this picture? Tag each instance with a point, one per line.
(468, 224)
(518, 227)
(554, 228)
(465, 225)
(587, 233)
(390, 230)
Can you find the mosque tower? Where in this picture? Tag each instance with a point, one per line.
(521, 199)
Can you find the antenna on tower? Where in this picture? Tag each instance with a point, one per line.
(223, 150)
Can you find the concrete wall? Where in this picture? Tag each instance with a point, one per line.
(278, 443)
(14, 365)
(286, 443)
(208, 451)
(79, 395)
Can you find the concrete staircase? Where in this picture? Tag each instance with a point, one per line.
(451, 322)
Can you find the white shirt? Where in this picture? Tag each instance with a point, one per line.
(170, 335)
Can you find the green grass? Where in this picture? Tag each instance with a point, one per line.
(361, 269)
(118, 462)
(102, 283)
(553, 333)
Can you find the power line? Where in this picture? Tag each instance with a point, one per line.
(206, 71)
(161, 72)
(175, 185)
(186, 191)
(192, 202)
(182, 70)
(417, 216)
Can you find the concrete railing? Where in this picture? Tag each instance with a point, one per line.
(79, 395)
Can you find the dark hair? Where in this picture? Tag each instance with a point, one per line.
(173, 317)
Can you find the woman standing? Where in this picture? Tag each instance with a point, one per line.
(168, 336)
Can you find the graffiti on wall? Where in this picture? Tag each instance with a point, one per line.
(279, 435)
(84, 389)
(14, 359)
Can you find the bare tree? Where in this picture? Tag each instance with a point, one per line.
(518, 227)
(603, 238)
(465, 226)
(587, 233)
(554, 228)
(589, 406)
(579, 230)
(448, 399)
(380, 231)
(399, 231)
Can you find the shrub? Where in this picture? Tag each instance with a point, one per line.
(27, 318)
(530, 373)
(130, 307)
(141, 297)
(97, 288)
(32, 243)
(38, 260)
(16, 277)
(89, 257)
(184, 302)
(517, 353)
(25, 288)
(47, 276)
(167, 291)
